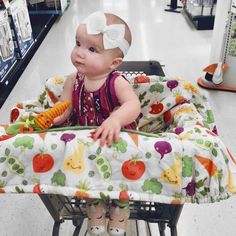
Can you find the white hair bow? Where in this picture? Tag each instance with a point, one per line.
(113, 35)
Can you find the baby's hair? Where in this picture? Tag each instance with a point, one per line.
(114, 19)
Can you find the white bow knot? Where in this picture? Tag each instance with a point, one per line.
(113, 35)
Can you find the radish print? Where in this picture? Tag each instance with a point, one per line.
(67, 137)
(179, 130)
(171, 84)
(190, 188)
(162, 147)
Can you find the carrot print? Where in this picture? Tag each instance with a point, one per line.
(208, 164)
(179, 99)
(52, 96)
(82, 191)
(20, 105)
(231, 156)
(2, 190)
(176, 202)
(134, 137)
(42, 135)
(211, 133)
(36, 189)
(199, 123)
(81, 194)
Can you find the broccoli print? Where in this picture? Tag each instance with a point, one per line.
(159, 88)
(59, 178)
(25, 142)
(152, 185)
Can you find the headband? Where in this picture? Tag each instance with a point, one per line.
(113, 35)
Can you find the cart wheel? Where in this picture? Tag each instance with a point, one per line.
(56, 228)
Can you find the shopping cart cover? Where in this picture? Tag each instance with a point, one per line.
(175, 157)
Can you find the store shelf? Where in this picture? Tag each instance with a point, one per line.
(201, 22)
(54, 7)
(41, 25)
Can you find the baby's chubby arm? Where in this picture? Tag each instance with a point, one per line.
(66, 95)
(129, 110)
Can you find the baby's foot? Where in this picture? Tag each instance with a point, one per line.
(118, 220)
(96, 218)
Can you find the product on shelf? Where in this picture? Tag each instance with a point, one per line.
(47, 6)
(20, 23)
(7, 54)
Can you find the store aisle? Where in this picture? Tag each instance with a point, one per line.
(157, 35)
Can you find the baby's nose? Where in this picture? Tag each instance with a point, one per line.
(81, 53)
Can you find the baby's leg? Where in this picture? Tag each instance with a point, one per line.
(96, 212)
(118, 219)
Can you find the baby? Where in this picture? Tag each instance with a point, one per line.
(101, 97)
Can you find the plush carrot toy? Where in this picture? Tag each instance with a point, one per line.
(42, 121)
(45, 119)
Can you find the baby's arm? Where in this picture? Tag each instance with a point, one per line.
(66, 95)
(128, 111)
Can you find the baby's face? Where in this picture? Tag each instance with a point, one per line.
(89, 56)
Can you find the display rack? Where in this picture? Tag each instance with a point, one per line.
(173, 6)
(201, 13)
(41, 24)
(223, 49)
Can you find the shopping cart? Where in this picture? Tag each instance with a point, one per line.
(64, 208)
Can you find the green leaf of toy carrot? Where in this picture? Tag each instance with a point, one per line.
(15, 128)
(208, 164)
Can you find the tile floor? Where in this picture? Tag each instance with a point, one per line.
(158, 35)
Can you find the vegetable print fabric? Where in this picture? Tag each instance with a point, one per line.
(175, 157)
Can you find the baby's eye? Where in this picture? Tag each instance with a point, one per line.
(92, 49)
(77, 43)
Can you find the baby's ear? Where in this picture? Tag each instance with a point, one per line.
(116, 62)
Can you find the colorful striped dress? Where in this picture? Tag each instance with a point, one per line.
(92, 108)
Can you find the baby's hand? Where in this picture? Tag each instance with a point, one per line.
(108, 132)
(62, 118)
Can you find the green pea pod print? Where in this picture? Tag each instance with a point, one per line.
(103, 167)
(204, 144)
(15, 165)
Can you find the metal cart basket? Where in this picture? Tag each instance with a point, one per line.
(64, 208)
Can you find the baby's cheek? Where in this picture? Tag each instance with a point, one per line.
(98, 65)
(72, 56)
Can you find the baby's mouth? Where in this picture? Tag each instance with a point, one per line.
(79, 63)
